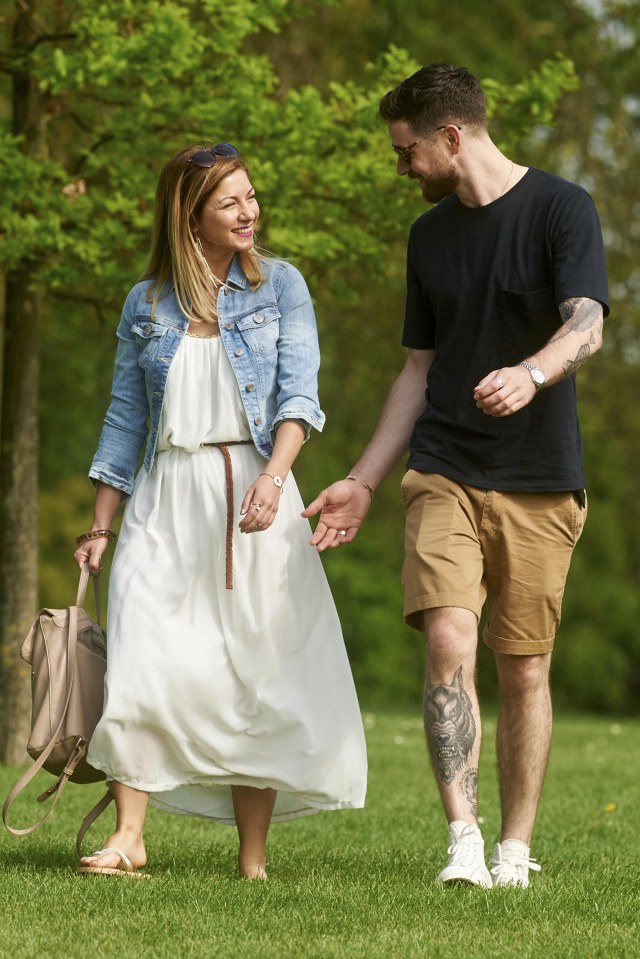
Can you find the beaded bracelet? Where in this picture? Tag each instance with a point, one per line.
(364, 483)
(96, 534)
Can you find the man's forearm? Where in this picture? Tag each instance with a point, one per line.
(404, 404)
(574, 342)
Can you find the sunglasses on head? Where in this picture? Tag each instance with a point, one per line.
(207, 158)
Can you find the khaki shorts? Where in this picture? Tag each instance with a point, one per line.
(465, 545)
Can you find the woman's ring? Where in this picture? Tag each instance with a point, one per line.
(257, 506)
(342, 532)
(500, 382)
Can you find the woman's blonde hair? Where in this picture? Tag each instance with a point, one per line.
(175, 259)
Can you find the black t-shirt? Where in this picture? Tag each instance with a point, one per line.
(483, 289)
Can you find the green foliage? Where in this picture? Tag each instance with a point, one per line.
(139, 79)
(127, 82)
(593, 139)
(534, 99)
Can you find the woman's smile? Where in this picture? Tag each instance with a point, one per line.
(229, 216)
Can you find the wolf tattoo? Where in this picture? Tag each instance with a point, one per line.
(450, 726)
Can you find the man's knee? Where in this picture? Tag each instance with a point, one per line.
(451, 636)
(522, 675)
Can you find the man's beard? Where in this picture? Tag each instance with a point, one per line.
(436, 188)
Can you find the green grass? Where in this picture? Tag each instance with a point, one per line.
(350, 884)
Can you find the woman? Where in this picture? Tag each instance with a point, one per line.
(228, 692)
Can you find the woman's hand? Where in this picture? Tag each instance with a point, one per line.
(260, 505)
(91, 552)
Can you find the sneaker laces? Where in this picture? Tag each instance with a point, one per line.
(463, 851)
(512, 867)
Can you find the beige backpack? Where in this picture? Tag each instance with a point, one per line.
(67, 653)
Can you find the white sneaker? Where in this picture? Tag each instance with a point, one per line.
(466, 856)
(510, 864)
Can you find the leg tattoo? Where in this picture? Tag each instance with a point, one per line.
(469, 790)
(449, 726)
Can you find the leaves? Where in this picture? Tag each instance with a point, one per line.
(126, 83)
(137, 79)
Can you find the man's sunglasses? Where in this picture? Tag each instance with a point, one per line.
(207, 158)
(405, 152)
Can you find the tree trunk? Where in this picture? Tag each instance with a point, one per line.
(19, 426)
(18, 511)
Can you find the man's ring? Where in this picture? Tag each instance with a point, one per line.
(258, 525)
(342, 532)
(257, 506)
(500, 382)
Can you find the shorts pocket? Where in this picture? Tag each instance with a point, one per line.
(408, 486)
(580, 510)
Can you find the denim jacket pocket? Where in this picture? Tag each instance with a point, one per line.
(261, 329)
(147, 336)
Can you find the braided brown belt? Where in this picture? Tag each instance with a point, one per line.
(228, 475)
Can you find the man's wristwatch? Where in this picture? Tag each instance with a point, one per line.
(537, 375)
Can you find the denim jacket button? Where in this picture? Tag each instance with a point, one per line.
(258, 421)
(250, 387)
(148, 329)
(228, 326)
(239, 352)
(259, 318)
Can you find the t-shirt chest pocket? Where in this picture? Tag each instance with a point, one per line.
(148, 336)
(527, 321)
(261, 329)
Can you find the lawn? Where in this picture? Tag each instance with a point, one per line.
(350, 884)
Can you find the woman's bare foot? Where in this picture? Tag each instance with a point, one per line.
(253, 808)
(252, 870)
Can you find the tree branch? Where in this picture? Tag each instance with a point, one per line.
(79, 121)
(51, 38)
(93, 301)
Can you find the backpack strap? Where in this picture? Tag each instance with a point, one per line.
(91, 817)
(82, 589)
(81, 746)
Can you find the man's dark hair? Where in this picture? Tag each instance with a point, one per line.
(436, 94)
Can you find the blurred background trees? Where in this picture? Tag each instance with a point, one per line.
(95, 97)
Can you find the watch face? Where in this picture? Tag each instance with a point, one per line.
(538, 377)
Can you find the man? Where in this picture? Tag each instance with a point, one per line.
(506, 293)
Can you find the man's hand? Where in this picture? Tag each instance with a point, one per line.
(342, 507)
(504, 391)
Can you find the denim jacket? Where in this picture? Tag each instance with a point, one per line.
(271, 340)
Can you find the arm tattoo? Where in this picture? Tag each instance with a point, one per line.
(469, 790)
(583, 316)
(570, 366)
(579, 315)
(449, 726)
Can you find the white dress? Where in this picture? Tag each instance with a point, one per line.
(209, 687)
